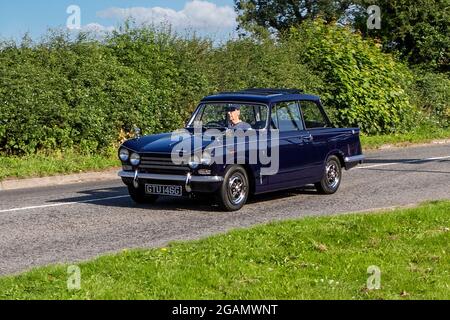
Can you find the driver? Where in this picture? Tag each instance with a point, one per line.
(234, 113)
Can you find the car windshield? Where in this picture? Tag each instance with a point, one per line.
(231, 115)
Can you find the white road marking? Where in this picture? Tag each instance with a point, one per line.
(61, 204)
(401, 162)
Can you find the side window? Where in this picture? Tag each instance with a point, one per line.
(312, 115)
(286, 117)
(255, 115)
(212, 113)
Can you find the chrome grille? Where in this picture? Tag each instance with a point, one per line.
(161, 164)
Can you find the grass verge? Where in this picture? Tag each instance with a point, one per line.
(49, 164)
(312, 258)
(422, 135)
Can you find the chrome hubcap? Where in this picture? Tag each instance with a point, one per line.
(332, 173)
(237, 188)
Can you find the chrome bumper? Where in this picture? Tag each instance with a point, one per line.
(187, 179)
(360, 158)
(170, 177)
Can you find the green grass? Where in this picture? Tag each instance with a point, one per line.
(422, 135)
(48, 164)
(312, 258)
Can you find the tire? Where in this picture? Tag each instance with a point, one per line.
(233, 193)
(139, 196)
(332, 176)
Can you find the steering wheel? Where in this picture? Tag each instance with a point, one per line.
(214, 123)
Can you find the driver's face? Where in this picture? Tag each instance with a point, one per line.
(234, 116)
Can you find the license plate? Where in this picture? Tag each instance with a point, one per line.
(167, 190)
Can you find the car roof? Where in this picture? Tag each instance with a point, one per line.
(261, 95)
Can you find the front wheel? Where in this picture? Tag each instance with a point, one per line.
(332, 176)
(138, 195)
(233, 193)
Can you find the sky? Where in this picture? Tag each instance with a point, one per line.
(214, 18)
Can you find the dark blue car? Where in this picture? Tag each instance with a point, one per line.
(242, 143)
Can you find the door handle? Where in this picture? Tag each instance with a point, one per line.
(308, 138)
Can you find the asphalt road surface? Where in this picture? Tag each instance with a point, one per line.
(77, 222)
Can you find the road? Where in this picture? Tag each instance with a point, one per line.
(77, 222)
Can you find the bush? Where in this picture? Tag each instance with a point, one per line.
(365, 87)
(248, 63)
(175, 70)
(87, 94)
(62, 94)
(431, 92)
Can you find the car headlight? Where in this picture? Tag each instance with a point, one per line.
(124, 154)
(206, 159)
(135, 159)
(194, 162)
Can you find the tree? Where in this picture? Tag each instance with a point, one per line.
(279, 15)
(418, 30)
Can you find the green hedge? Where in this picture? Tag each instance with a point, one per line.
(431, 92)
(87, 94)
(365, 87)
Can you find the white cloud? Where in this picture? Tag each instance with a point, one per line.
(195, 14)
(96, 28)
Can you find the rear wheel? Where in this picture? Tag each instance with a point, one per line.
(138, 195)
(233, 193)
(332, 176)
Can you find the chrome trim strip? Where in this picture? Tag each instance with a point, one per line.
(170, 177)
(161, 167)
(136, 180)
(358, 158)
(206, 179)
(187, 183)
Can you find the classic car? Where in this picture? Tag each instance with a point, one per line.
(238, 144)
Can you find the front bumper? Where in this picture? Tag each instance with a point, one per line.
(191, 183)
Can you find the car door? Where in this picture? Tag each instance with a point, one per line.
(318, 127)
(294, 145)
